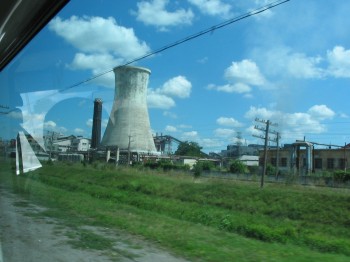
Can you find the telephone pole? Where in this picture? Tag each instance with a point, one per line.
(129, 150)
(266, 138)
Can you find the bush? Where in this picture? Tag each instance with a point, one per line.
(341, 176)
(238, 167)
(270, 170)
(197, 170)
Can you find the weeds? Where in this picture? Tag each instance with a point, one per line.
(311, 218)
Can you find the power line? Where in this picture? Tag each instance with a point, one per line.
(186, 39)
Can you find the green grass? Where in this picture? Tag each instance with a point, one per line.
(204, 219)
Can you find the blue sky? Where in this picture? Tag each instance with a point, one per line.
(290, 65)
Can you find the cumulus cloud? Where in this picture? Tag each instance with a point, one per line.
(281, 61)
(238, 88)
(224, 132)
(321, 112)
(50, 124)
(99, 35)
(241, 76)
(169, 114)
(154, 13)
(211, 143)
(89, 122)
(178, 86)
(295, 124)
(339, 62)
(156, 100)
(79, 131)
(213, 7)
(169, 128)
(163, 97)
(191, 135)
(228, 121)
(101, 42)
(245, 71)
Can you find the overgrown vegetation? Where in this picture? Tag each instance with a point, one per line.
(238, 167)
(211, 221)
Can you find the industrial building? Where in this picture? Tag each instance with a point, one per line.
(302, 158)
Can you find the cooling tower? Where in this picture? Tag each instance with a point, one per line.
(96, 123)
(129, 124)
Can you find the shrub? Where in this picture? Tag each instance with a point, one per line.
(270, 170)
(341, 176)
(238, 167)
(197, 170)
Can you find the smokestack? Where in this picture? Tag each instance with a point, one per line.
(96, 123)
(129, 126)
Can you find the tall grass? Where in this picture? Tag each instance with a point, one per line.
(276, 217)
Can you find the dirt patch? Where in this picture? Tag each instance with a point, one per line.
(28, 235)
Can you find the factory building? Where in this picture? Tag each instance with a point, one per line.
(302, 158)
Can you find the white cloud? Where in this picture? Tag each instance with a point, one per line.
(321, 112)
(162, 97)
(213, 7)
(238, 88)
(191, 135)
(300, 66)
(282, 61)
(169, 114)
(241, 76)
(211, 143)
(156, 100)
(89, 122)
(96, 62)
(101, 42)
(177, 86)
(296, 124)
(228, 121)
(224, 132)
(79, 131)
(339, 61)
(99, 35)
(185, 126)
(246, 72)
(171, 128)
(154, 13)
(50, 124)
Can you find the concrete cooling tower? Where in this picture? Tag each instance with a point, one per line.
(129, 124)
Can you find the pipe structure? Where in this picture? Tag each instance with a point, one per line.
(128, 126)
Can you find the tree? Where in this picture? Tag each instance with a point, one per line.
(189, 149)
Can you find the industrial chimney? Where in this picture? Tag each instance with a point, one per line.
(129, 126)
(96, 123)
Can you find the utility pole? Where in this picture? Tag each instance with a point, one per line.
(129, 150)
(266, 139)
(277, 153)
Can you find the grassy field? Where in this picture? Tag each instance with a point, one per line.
(200, 219)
